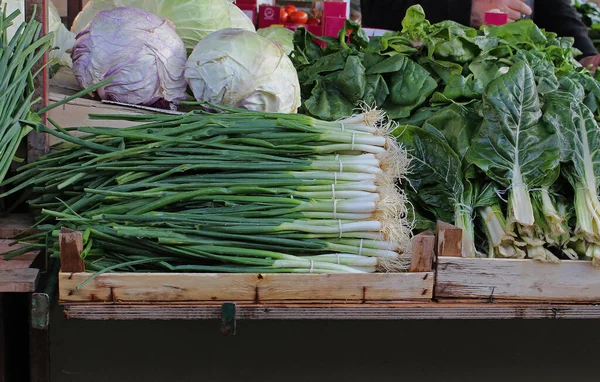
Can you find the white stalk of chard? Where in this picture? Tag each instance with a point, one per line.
(502, 242)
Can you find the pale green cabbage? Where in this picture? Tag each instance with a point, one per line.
(280, 36)
(238, 68)
(238, 19)
(193, 19)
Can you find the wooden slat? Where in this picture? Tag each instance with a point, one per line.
(71, 244)
(430, 311)
(12, 224)
(423, 250)
(569, 281)
(22, 261)
(246, 287)
(18, 280)
(449, 240)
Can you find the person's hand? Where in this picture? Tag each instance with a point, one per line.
(591, 62)
(514, 9)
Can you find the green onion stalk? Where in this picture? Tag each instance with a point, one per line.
(18, 57)
(229, 192)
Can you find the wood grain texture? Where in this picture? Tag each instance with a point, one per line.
(22, 261)
(449, 240)
(423, 251)
(71, 245)
(22, 280)
(136, 287)
(569, 281)
(12, 224)
(429, 311)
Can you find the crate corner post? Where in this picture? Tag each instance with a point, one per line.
(423, 252)
(71, 245)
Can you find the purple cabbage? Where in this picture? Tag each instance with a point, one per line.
(141, 51)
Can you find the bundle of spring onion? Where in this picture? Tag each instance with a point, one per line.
(17, 59)
(239, 192)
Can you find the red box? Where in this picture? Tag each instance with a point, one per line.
(334, 17)
(495, 18)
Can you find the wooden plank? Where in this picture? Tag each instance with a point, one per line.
(569, 281)
(71, 244)
(135, 287)
(12, 224)
(22, 261)
(423, 251)
(429, 311)
(22, 280)
(449, 240)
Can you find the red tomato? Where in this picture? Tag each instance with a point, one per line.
(290, 9)
(313, 20)
(299, 17)
(283, 17)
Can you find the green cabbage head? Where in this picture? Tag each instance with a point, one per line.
(238, 68)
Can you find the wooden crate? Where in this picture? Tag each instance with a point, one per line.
(212, 288)
(496, 280)
(16, 275)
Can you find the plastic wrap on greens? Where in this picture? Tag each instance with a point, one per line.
(141, 51)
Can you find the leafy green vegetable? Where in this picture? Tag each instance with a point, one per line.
(511, 146)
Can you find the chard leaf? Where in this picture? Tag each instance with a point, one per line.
(457, 125)
(436, 172)
(511, 146)
(580, 144)
(542, 68)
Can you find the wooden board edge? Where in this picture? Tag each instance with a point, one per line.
(523, 280)
(246, 287)
(416, 311)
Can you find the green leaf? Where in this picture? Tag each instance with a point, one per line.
(351, 81)
(511, 146)
(543, 70)
(522, 34)
(443, 69)
(418, 117)
(376, 90)
(306, 50)
(415, 25)
(327, 102)
(459, 50)
(410, 87)
(435, 173)
(580, 144)
(461, 87)
(457, 124)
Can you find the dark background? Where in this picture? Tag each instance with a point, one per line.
(316, 351)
